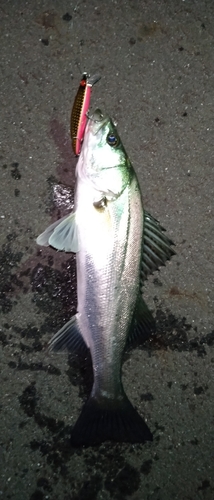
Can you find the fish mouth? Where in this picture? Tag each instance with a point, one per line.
(97, 119)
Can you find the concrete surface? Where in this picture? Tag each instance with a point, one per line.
(157, 65)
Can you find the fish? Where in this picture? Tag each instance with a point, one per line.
(117, 244)
(80, 109)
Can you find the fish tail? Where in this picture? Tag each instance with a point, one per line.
(109, 420)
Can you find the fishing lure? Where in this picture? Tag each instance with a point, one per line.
(79, 110)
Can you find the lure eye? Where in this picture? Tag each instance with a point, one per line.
(112, 139)
(84, 80)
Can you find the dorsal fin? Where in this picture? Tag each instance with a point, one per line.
(156, 248)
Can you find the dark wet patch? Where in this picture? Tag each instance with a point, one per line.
(159, 430)
(146, 467)
(172, 333)
(22, 424)
(28, 399)
(147, 397)
(57, 452)
(200, 390)
(56, 445)
(157, 282)
(12, 364)
(184, 387)
(194, 441)
(208, 339)
(49, 202)
(43, 482)
(59, 200)
(28, 402)
(54, 290)
(32, 335)
(67, 17)
(124, 484)
(22, 365)
(45, 41)
(30, 332)
(205, 484)
(148, 30)
(36, 346)
(67, 165)
(159, 427)
(55, 293)
(56, 449)
(90, 488)
(3, 339)
(9, 259)
(80, 373)
(15, 173)
(47, 19)
(37, 495)
(120, 478)
(111, 460)
(52, 424)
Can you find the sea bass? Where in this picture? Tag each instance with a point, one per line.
(118, 244)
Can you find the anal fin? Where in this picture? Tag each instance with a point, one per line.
(69, 338)
(143, 323)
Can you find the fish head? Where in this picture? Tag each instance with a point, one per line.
(103, 158)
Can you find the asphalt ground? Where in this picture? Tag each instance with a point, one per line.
(156, 59)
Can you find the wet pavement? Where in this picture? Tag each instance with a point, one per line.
(156, 62)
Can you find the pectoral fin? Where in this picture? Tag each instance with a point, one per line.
(62, 235)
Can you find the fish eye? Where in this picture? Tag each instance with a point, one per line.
(112, 139)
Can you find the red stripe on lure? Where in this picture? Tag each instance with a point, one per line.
(79, 110)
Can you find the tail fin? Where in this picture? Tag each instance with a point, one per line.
(107, 420)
